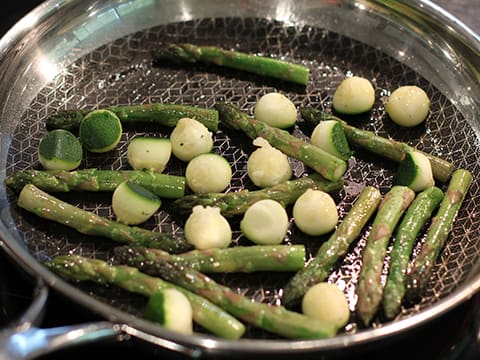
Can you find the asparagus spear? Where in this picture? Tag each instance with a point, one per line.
(235, 203)
(161, 114)
(438, 230)
(235, 259)
(336, 246)
(391, 149)
(206, 314)
(275, 319)
(417, 215)
(260, 65)
(48, 207)
(329, 166)
(370, 289)
(162, 185)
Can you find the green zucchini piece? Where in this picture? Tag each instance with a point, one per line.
(171, 309)
(149, 153)
(60, 150)
(132, 204)
(330, 136)
(415, 171)
(100, 131)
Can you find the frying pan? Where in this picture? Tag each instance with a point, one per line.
(93, 54)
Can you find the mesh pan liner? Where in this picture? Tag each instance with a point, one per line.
(122, 73)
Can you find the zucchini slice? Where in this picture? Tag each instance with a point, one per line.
(60, 150)
(415, 171)
(100, 131)
(171, 309)
(330, 136)
(132, 204)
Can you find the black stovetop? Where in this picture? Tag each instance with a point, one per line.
(449, 337)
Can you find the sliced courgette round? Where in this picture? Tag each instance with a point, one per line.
(132, 204)
(100, 131)
(330, 136)
(171, 309)
(60, 150)
(415, 171)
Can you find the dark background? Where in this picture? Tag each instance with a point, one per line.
(468, 11)
(447, 338)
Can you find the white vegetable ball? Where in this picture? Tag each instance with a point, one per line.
(190, 138)
(267, 166)
(276, 110)
(354, 95)
(265, 222)
(408, 106)
(315, 212)
(325, 301)
(206, 228)
(208, 173)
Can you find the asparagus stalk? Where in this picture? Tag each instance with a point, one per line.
(235, 203)
(336, 246)
(329, 166)
(162, 185)
(438, 231)
(370, 289)
(275, 319)
(235, 259)
(417, 215)
(260, 65)
(205, 313)
(161, 114)
(48, 207)
(391, 149)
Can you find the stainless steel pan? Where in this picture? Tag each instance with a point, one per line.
(92, 54)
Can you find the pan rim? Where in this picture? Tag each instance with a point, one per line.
(27, 261)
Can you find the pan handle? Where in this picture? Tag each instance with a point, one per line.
(23, 340)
